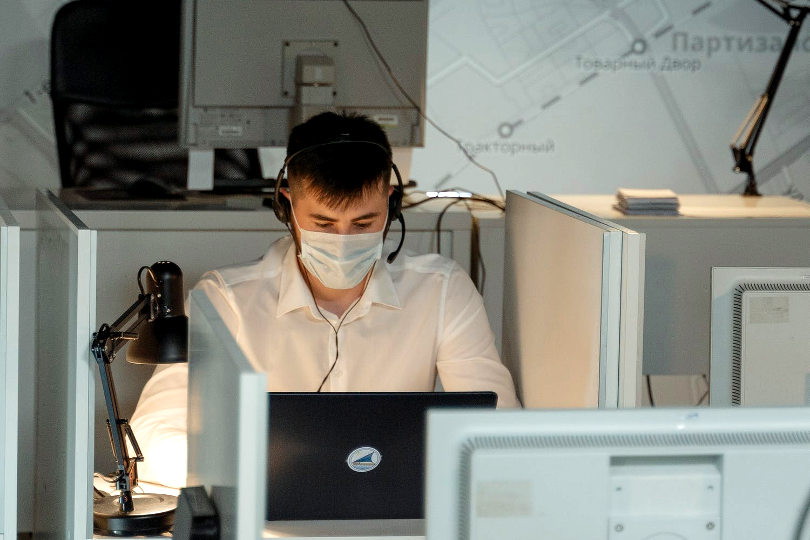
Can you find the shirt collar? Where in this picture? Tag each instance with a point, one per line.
(294, 293)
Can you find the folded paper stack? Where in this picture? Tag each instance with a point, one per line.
(647, 202)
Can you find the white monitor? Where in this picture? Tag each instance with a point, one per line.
(760, 343)
(251, 69)
(572, 305)
(719, 474)
(9, 349)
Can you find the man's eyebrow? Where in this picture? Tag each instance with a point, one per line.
(321, 217)
(370, 215)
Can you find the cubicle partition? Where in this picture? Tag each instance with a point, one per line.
(227, 423)
(631, 318)
(65, 320)
(198, 240)
(712, 230)
(9, 349)
(572, 306)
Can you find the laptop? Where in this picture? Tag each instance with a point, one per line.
(352, 456)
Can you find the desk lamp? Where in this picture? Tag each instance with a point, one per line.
(742, 147)
(162, 339)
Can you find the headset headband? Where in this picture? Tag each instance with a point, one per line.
(395, 206)
(342, 140)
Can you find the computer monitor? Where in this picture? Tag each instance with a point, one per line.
(251, 69)
(572, 307)
(760, 344)
(723, 474)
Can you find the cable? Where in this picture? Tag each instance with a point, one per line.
(140, 274)
(800, 525)
(335, 329)
(476, 243)
(649, 390)
(476, 247)
(473, 198)
(413, 102)
(439, 224)
(706, 393)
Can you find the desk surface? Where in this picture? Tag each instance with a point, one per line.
(713, 206)
(375, 529)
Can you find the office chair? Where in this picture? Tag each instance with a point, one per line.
(115, 68)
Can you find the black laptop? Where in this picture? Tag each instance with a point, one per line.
(352, 456)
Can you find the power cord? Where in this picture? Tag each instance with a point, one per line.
(477, 260)
(706, 393)
(413, 102)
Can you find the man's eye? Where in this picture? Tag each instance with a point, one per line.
(362, 225)
(323, 225)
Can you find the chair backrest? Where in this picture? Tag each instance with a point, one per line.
(115, 68)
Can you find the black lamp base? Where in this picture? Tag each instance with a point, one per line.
(153, 514)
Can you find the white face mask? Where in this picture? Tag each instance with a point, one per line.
(339, 261)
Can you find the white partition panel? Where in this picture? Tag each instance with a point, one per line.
(562, 301)
(631, 323)
(227, 423)
(65, 313)
(631, 337)
(9, 349)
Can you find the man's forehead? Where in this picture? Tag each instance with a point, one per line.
(370, 193)
(318, 203)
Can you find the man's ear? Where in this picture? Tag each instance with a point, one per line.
(390, 190)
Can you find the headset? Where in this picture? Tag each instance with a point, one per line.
(281, 205)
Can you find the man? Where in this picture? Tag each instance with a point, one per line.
(325, 309)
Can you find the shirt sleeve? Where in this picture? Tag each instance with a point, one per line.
(159, 425)
(467, 358)
(160, 418)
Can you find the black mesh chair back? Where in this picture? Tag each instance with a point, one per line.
(115, 68)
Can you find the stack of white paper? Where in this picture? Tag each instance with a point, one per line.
(654, 202)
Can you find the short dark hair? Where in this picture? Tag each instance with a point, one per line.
(331, 155)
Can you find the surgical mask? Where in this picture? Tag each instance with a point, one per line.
(339, 261)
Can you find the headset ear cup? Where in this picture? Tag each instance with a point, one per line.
(394, 205)
(395, 200)
(282, 209)
(281, 205)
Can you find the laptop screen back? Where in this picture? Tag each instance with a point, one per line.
(352, 455)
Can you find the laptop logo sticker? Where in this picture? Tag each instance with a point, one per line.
(364, 459)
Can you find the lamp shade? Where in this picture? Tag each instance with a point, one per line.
(163, 340)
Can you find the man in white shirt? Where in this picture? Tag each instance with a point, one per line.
(329, 308)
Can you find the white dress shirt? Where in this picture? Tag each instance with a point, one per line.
(419, 317)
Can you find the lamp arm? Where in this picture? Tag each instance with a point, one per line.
(106, 343)
(747, 136)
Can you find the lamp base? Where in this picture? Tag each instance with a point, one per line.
(153, 514)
